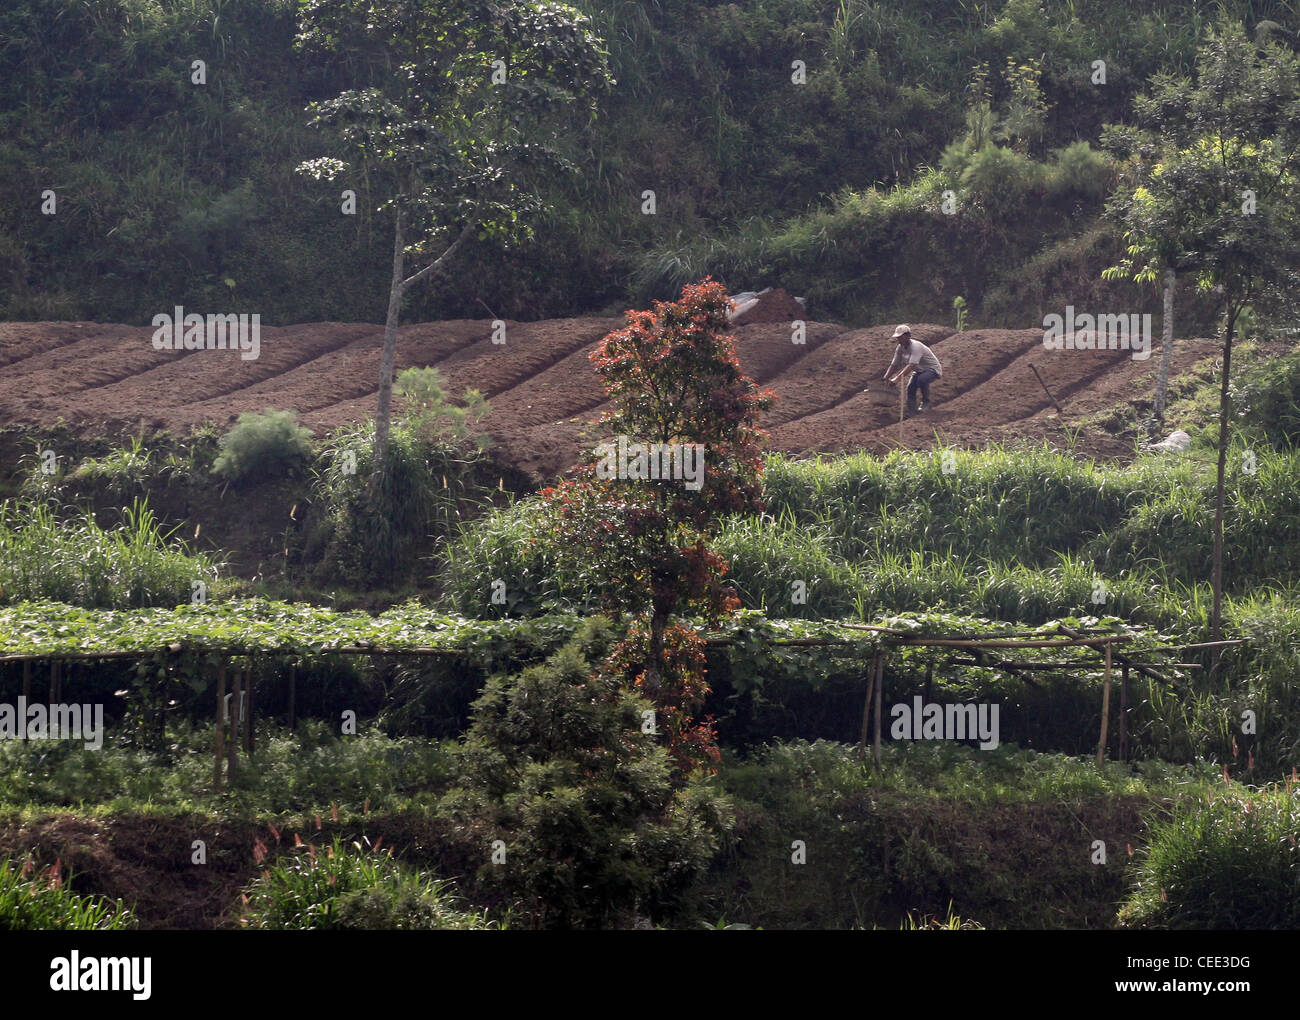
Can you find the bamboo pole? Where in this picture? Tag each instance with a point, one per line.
(1105, 711)
(232, 746)
(1123, 712)
(221, 724)
(866, 704)
(880, 684)
(1203, 644)
(902, 409)
(293, 695)
(1017, 643)
(1121, 659)
(1078, 665)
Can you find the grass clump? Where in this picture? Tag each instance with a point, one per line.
(134, 565)
(41, 901)
(352, 887)
(262, 445)
(376, 534)
(1227, 862)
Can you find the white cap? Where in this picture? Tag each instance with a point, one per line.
(902, 330)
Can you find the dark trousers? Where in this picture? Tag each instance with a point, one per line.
(920, 380)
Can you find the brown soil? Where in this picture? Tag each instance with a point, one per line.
(146, 861)
(104, 377)
(774, 306)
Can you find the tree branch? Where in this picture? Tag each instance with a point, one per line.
(469, 227)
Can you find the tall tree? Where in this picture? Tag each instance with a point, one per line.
(1210, 195)
(642, 535)
(457, 124)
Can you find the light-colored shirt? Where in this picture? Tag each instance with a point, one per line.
(916, 354)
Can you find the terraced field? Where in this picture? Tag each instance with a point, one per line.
(544, 393)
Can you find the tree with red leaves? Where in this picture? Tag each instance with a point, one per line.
(674, 381)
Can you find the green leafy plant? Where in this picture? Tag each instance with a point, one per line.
(558, 764)
(427, 411)
(33, 900)
(261, 445)
(351, 887)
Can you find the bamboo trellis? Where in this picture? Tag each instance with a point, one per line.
(238, 707)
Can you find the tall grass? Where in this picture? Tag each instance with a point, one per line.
(133, 565)
(418, 501)
(351, 887)
(1230, 861)
(33, 900)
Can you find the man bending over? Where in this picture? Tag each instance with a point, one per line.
(912, 356)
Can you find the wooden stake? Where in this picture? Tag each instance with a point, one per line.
(1046, 390)
(221, 724)
(880, 683)
(866, 704)
(902, 409)
(1105, 711)
(232, 746)
(1123, 712)
(251, 688)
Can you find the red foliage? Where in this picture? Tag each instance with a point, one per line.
(673, 378)
(678, 692)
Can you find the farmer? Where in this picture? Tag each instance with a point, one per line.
(912, 355)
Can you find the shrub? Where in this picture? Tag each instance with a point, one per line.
(1228, 862)
(262, 444)
(351, 888)
(430, 415)
(41, 901)
(1080, 170)
(557, 765)
(378, 537)
(1268, 399)
(1000, 177)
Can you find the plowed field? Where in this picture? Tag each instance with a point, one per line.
(544, 394)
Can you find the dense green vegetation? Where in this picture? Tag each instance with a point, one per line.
(460, 721)
(170, 192)
(835, 524)
(81, 563)
(1225, 862)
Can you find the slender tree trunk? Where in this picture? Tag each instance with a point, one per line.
(655, 666)
(1224, 401)
(1166, 346)
(383, 419)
